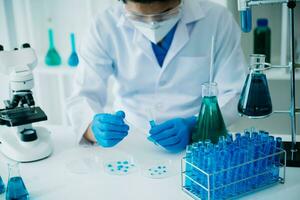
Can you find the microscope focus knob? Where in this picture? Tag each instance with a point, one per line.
(1, 48)
(26, 45)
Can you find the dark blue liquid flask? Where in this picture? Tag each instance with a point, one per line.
(255, 100)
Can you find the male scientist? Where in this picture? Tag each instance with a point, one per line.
(158, 52)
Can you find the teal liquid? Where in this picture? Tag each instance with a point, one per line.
(52, 58)
(16, 189)
(210, 124)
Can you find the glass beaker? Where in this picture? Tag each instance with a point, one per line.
(255, 100)
(16, 189)
(210, 124)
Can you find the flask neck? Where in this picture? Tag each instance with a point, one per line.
(209, 90)
(13, 170)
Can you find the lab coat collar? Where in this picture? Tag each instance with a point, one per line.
(192, 12)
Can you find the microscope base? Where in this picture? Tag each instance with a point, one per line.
(12, 147)
(295, 162)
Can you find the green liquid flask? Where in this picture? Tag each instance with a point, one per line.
(52, 57)
(210, 124)
(262, 39)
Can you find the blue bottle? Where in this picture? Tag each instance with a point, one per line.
(2, 186)
(16, 189)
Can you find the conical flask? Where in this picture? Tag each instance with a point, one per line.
(52, 57)
(255, 100)
(210, 124)
(16, 189)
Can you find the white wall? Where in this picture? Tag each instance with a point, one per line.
(4, 40)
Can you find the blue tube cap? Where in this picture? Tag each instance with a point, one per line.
(262, 22)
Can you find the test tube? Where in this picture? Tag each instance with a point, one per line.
(245, 15)
(152, 124)
(188, 166)
(229, 138)
(254, 136)
(247, 135)
(196, 174)
(237, 139)
(275, 170)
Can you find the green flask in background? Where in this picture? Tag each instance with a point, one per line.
(52, 57)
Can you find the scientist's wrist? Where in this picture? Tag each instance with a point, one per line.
(89, 135)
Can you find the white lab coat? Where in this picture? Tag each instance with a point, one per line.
(113, 47)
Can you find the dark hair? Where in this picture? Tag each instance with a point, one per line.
(145, 1)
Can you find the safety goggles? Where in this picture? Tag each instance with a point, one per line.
(154, 17)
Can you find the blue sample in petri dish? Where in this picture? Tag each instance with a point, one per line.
(16, 189)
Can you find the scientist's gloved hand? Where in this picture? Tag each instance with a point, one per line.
(109, 129)
(174, 135)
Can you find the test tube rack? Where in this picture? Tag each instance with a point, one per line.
(227, 183)
(292, 147)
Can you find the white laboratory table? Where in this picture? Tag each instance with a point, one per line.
(51, 179)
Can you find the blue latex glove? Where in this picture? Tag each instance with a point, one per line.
(109, 129)
(174, 135)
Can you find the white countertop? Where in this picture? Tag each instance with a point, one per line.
(50, 179)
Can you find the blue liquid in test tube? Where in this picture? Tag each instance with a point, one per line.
(246, 20)
(152, 124)
(277, 158)
(188, 166)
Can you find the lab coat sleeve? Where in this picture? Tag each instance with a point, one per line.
(90, 82)
(230, 64)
